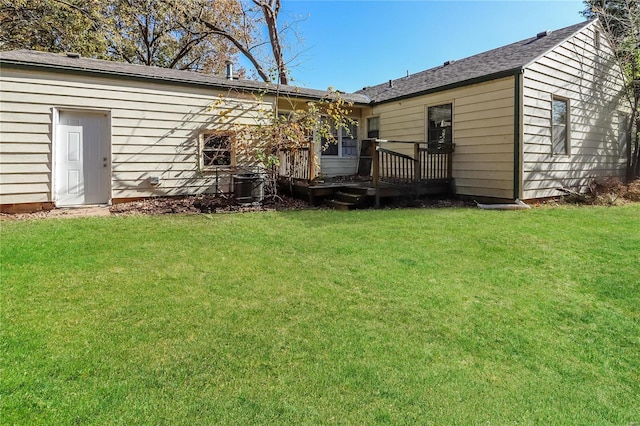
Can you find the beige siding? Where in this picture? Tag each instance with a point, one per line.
(154, 132)
(483, 133)
(591, 82)
(331, 166)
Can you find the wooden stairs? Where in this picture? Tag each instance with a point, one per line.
(357, 197)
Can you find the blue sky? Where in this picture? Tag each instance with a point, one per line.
(351, 44)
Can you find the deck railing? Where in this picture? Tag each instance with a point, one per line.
(430, 161)
(427, 162)
(394, 166)
(298, 163)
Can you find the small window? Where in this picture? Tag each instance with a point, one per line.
(624, 135)
(596, 39)
(215, 150)
(560, 126)
(440, 129)
(373, 128)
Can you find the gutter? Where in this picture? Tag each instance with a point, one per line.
(517, 123)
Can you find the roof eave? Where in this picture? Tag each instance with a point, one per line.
(476, 80)
(271, 89)
(564, 40)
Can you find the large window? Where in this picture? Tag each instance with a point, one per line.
(346, 144)
(560, 126)
(440, 129)
(215, 150)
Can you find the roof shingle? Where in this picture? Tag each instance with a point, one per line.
(125, 70)
(493, 63)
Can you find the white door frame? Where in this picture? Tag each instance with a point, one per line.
(55, 120)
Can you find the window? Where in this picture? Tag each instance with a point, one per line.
(349, 140)
(560, 126)
(440, 129)
(215, 150)
(373, 128)
(346, 144)
(596, 39)
(624, 136)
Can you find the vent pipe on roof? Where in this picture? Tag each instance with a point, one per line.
(448, 63)
(229, 70)
(390, 83)
(543, 34)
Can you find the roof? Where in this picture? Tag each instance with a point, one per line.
(63, 62)
(496, 63)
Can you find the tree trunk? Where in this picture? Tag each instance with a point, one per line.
(270, 10)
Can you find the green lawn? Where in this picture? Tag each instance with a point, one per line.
(321, 317)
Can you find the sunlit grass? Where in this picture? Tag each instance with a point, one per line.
(366, 317)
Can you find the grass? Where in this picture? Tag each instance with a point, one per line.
(321, 317)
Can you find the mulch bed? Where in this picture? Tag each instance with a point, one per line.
(601, 192)
(607, 192)
(203, 204)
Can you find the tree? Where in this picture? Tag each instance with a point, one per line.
(53, 26)
(270, 10)
(153, 32)
(621, 22)
(148, 32)
(260, 145)
(246, 33)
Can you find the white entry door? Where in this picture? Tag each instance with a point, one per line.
(82, 159)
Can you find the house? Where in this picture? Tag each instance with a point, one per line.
(521, 120)
(525, 119)
(76, 131)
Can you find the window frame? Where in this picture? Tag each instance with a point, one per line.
(339, 134)
(436, 145)
(369, 119)
(567, 126)
(624, 121)
(202, 138)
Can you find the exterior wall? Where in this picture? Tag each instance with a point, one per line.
(332, 166)
(590, 80)
(483, 133)
(154, 132)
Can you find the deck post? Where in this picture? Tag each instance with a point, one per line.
(418, 163)
(417, 168)
(376, 172)
(312, 163)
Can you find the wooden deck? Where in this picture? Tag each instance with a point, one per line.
(363, 193)
(387, 175)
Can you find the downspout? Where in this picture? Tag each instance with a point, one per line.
(517, 122)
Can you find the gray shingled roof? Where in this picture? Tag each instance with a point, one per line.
(123, 70)
(482, 67)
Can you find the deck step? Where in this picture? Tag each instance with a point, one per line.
(347, 196)
(340, 205)
(356, 190)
